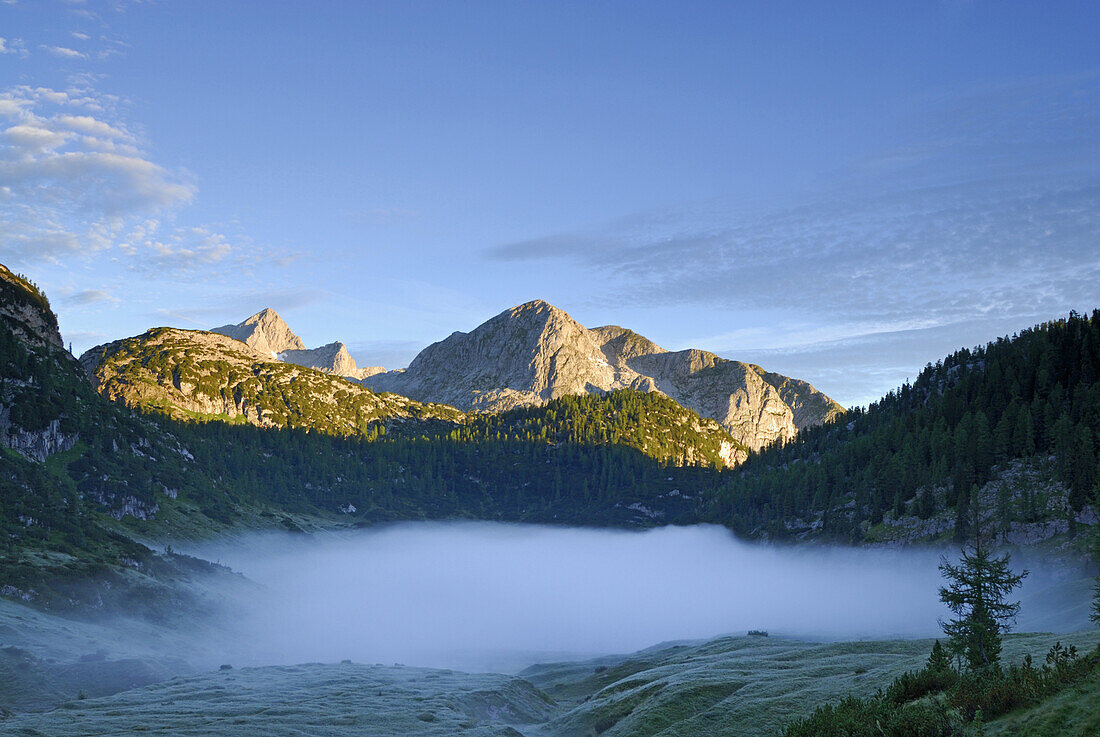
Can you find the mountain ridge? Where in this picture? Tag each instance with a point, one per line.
(268, 335)
(209, 375)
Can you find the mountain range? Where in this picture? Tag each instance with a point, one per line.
(524, 357)
(177, 433)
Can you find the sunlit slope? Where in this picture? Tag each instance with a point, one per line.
(736, 686)
(196, 375)
(193, 374)
(535, 352)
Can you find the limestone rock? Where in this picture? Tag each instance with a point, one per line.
(332, 359)
(35, 445)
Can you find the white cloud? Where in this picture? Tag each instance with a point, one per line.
(13, 46)
(92, 296)
(181, 249)
(31, 139)
(63, 52)
(92, 127)
(75, 180)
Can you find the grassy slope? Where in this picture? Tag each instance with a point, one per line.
(1073, 713)
(734, 686)
(723, 687)
(345, 699)
(190, 374)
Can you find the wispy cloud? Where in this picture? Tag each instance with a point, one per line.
(63, 52)
(13, 46)
(996, 212)
(91, 296)
(74, 179)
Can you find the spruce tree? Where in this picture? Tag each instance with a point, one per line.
(938, 660)
(976, 594)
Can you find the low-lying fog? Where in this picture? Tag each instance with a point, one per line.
(498, 596)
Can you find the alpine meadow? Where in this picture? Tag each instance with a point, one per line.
(549, 370)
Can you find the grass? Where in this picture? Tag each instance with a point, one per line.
(1074, 712)
(724, 687)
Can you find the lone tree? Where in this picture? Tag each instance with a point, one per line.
(976, 594)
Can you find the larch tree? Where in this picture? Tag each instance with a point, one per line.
(977, 595)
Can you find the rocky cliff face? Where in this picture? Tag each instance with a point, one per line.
(189, 373)
(524, 356)
(536, 352)
(36, 445)
(27, 311)
(332, 359)
(269, 336)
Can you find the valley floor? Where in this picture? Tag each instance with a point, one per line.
(725, 686)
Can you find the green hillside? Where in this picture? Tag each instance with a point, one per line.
(1010, 429)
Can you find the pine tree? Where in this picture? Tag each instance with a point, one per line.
(938, 660)
(976, 595)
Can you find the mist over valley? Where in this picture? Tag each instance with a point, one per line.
(549, 369)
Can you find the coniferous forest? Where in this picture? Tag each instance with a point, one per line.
(928, 446)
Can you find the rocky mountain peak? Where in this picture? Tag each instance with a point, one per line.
(268, 335)
(332, 358)
(265, 332)
(535, 352)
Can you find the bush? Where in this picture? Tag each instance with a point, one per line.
(912, 685)
(904, 709)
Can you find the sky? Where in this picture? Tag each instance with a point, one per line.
(842, 192)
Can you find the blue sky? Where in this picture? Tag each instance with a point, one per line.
(842, 192)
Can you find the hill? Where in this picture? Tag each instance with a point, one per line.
(1005, 435)
(200, 375)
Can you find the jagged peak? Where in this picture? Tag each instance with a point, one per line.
(536, 307)
(265, 315)
(265, 332)
(535, 304)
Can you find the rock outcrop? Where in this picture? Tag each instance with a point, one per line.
(536, 352)
(332, 359)
(35, 445)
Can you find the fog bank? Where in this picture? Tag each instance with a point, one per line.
(487, 594)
